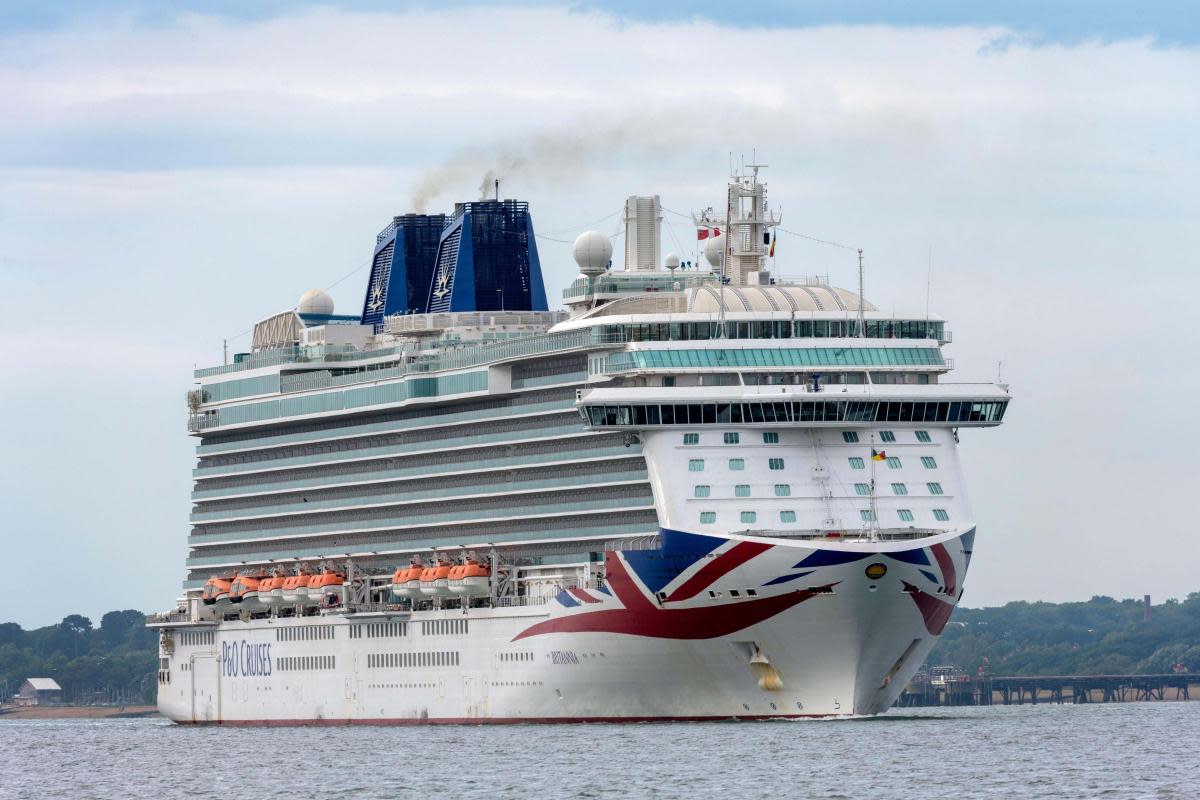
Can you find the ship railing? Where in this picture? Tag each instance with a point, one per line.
(460, 358)
(167, 617)
(846, 534)
(202, 422)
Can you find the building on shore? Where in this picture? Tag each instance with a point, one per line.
(39, 692)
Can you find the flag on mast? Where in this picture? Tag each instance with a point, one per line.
(771, 253)
(878, 455)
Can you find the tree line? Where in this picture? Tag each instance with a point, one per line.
(114, 663)
(1101, 636)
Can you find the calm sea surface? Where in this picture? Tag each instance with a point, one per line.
(1131, 750)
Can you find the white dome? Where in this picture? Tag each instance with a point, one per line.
(671, 261)
(714, 248)
(315, 302)
(593, 252)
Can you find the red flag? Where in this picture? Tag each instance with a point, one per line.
(701, 233)
(772, 253)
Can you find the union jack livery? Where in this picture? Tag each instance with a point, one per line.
(694, 494)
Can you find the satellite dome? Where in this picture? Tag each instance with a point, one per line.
(714, 249)
(593, 252)
(671, 261)
(315, 302)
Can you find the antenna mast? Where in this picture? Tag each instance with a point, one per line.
(861, 325)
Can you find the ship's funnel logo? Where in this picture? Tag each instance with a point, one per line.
(443, 281)
(376, 296)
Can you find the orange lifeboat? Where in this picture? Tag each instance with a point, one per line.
(295, 588)
(243, 593)
(270, 590)
(216, 591)
(406, 582)
(471, 579)
(324, 586)
(435, 580)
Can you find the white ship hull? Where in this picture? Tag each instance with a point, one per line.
(665, 638)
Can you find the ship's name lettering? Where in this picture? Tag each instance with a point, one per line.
(243, 659)
(563, 657)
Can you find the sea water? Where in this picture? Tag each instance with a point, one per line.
(1130, 750)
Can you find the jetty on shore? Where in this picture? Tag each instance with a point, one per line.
(985, 690)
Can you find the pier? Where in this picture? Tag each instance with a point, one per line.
(986, 690)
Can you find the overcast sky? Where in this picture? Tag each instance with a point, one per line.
(167, 178)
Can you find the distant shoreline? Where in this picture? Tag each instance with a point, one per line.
(77, 712)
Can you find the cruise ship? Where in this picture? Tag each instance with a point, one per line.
(698, 492)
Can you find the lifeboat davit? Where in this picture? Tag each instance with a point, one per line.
(243, 593)
(406, 582)
(470, 579)
(323, 587)
(216, 592)
(436, 580)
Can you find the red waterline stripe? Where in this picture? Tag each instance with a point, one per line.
(279, 723)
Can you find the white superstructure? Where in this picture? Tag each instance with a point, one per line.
(694, 495)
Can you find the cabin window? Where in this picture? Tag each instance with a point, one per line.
(783, 490)
(899, 488)
(904, 514)
(770, 437)
(691, 438)
(849, 437)
(857, 463)
(887, 436)
(928, 462)
(934, 487)
(775, 463)
(732, 438)
(893, 462)
(708, 517)
(787, 516)
(695, 465)
(940, 515)
(737, 464)
(749, 516)
(923, 436)
(867, 515)
(703, 490)
(863, 489)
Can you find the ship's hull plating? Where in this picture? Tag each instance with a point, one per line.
(704, 628)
